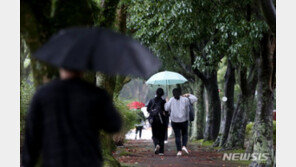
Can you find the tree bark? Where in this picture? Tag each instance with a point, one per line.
(214, 114)
(114, 84)
(209, 78)
(269, 13)
(39, 21)
(109, 13)
(24, 54)
(236, 135)
(199, 121)
(262, 140)
(228, 107)
(222, 126)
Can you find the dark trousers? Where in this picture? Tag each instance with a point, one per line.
(166, 131)
(158, 134)
(180, 129)
(139, 129)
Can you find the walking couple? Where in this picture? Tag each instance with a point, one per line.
(177, 110)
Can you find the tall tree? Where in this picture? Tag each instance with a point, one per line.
(199, 34)
(268, 9)
(229, 106)
(248, 85)
(199, 121)
(40, 20)
(251, 30)
(209, 78)
(262, 140)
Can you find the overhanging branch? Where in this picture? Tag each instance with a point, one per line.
(195, 70)
(269, 13)
(187, 70)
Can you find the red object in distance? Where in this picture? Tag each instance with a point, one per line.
(274, 115)
(136, 105)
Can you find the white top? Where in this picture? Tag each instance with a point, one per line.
(179, 108)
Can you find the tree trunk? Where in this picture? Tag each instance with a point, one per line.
(214, 114)
(262, 141)
(229, 93)
(222, 127)
(109, 13)
(189, 87)
(199, 120)
(120, 82)
(269, 13)
(39, 21)
(228, 107)
(236, 135)
(24, 54)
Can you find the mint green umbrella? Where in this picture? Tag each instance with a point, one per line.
(166, 78)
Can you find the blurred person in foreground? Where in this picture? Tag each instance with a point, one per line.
(179, 115)
(64, 120)
(156, 118)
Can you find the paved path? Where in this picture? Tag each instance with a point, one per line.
(146, 133)
(139, 153)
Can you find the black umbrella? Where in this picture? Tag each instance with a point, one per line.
(98, 49)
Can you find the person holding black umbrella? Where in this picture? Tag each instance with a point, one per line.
(63, 121)
(66, 114)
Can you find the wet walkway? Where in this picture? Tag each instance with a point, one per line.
(146, 133)
(140, 153)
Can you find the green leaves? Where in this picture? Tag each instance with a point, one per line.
(215, 29)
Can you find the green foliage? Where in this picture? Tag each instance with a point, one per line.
(129, 120)
(129, 117)
(110, 161)
(201, 142)
(163, 26)
(249, 128)
(109, 142)
(214, 28)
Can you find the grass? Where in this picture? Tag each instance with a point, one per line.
(201, 142)
(125, 153)
(209, 144)
(126, 165)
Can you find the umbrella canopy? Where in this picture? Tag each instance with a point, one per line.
(166, 78)
(136, 105)
(98, 49)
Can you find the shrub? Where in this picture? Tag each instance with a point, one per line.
(249, 128)
(129, 119)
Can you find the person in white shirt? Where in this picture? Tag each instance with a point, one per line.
(179, 116)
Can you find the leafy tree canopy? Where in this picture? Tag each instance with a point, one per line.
(213, 28)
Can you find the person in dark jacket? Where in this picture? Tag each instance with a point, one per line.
(158, 125)
(140, 123)
(64, 120)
